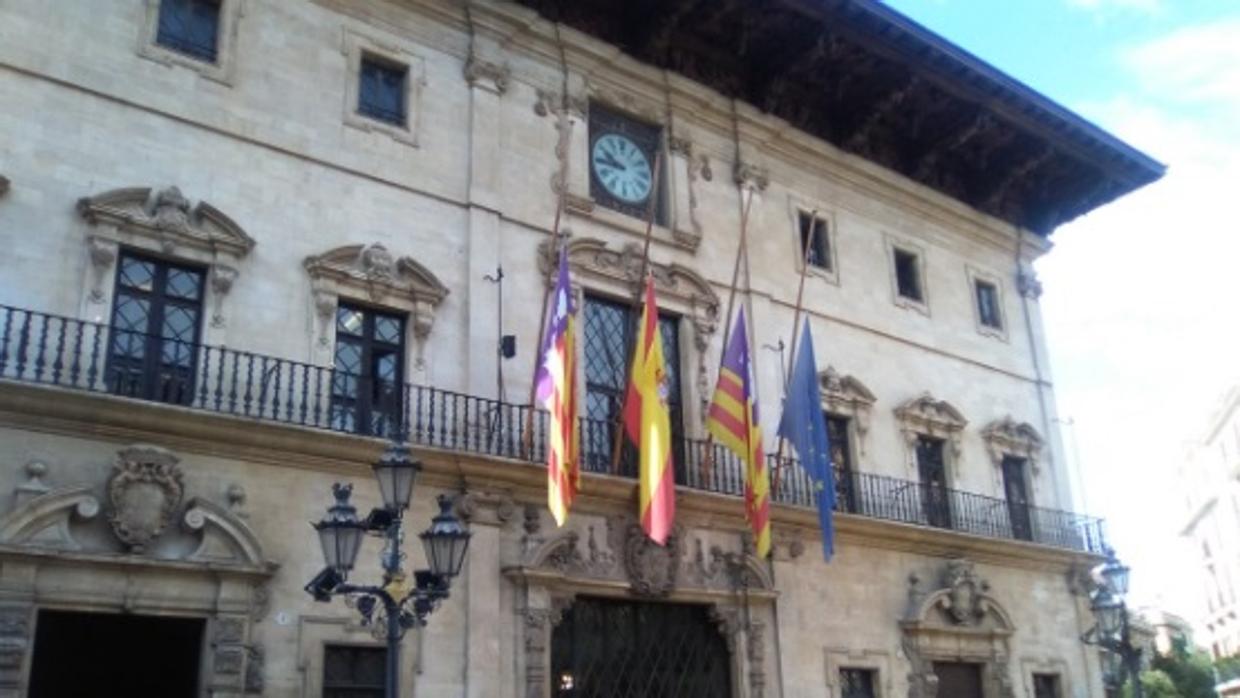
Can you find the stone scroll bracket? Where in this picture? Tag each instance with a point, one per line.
(370, 273)
(165, 222)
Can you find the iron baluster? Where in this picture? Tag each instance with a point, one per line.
(39, 361)
(75, 369)
(23, 340)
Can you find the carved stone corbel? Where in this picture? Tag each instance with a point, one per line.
(102, 258)
(222, 278)
(487, 75)
(751, 177)
(486, 508)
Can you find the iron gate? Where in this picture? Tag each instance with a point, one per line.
(629, 649)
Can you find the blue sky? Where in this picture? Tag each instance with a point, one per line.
(1139, 303)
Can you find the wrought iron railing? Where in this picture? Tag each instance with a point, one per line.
(69, 353)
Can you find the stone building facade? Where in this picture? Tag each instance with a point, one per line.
(246, 242)
(1212, 525)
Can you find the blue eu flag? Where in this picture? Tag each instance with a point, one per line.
(805, 426)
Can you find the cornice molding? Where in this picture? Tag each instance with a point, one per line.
(122, 421)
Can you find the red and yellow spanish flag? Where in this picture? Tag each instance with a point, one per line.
(556, 383)
(648, 424)
(733, 419)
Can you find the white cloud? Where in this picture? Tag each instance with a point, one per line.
(1141, 297)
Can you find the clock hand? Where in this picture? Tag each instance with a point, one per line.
(607, 159)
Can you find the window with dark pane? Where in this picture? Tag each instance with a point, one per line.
(353, 672)
(368, 380)
(857, 683)
(381, 90)
(1046, 686)
(191, 27)
(908, 275)
(156, 316)
(1016, 490)
(988, 304)
(607, 335)
(839, 440)
(815, 246)
(936, 505)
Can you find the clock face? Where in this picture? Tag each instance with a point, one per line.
(621, 167)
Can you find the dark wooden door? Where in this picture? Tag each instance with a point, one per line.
(368, 375)
(959, 679)
(936, 504)
(1017, 492)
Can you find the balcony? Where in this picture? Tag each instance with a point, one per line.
(39, 348)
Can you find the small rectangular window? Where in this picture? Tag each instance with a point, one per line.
(353, 672)
(815, 247)
(857, 683)
(988, 304)
(1046, 686)
(908, 275)
(191, 27)
(381, 90)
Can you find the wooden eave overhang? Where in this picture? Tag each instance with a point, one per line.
(876, 84)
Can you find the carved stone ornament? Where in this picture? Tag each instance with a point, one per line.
(102, 257)
(1008, 437)
(487, 75)
(847, 396)
(925, 415)
(750, 176)
(652, 568)
(552, 102)
(143, 494)
(167, 217)
(371, 271)
(958, 621)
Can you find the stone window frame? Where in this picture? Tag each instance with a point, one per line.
(974, 276)
(878, 661)
(222, 70)
(926, 415)
(1045, 665)
(355, 46)
(846, 396)
(891, 244)
(796, 206)
(164, 223)
(1007, 437)
(372, 276)
(315, 633)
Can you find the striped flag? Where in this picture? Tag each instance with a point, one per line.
(733, 419)
(556, 383)
(648, 424)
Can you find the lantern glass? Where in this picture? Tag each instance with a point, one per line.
(396, 470)
(445, 542)
(1110, 615)
(340, 532)
(1115, 575)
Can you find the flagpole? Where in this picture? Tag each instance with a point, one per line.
(566, 129)
(652, 209)
(708, 459)
(796, 325)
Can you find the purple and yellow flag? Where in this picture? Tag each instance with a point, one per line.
(733, 420)
(556, 383)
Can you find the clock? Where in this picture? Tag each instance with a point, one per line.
(621, 161)
(621, 167)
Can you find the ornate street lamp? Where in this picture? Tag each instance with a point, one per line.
(1113, 633)
(394, 606)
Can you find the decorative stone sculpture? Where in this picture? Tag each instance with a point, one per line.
(652, 568)
(144, 492)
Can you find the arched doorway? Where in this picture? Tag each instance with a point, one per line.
(619, 648)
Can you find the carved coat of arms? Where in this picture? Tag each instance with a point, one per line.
(143, 493)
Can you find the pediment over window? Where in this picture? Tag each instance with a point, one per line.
(926, 415)
(168, 218)
(1006, 437)
(372, 272)
(847, 396)
(620, 270)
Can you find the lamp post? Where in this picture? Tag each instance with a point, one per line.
(393, 606)
(1113, 631)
